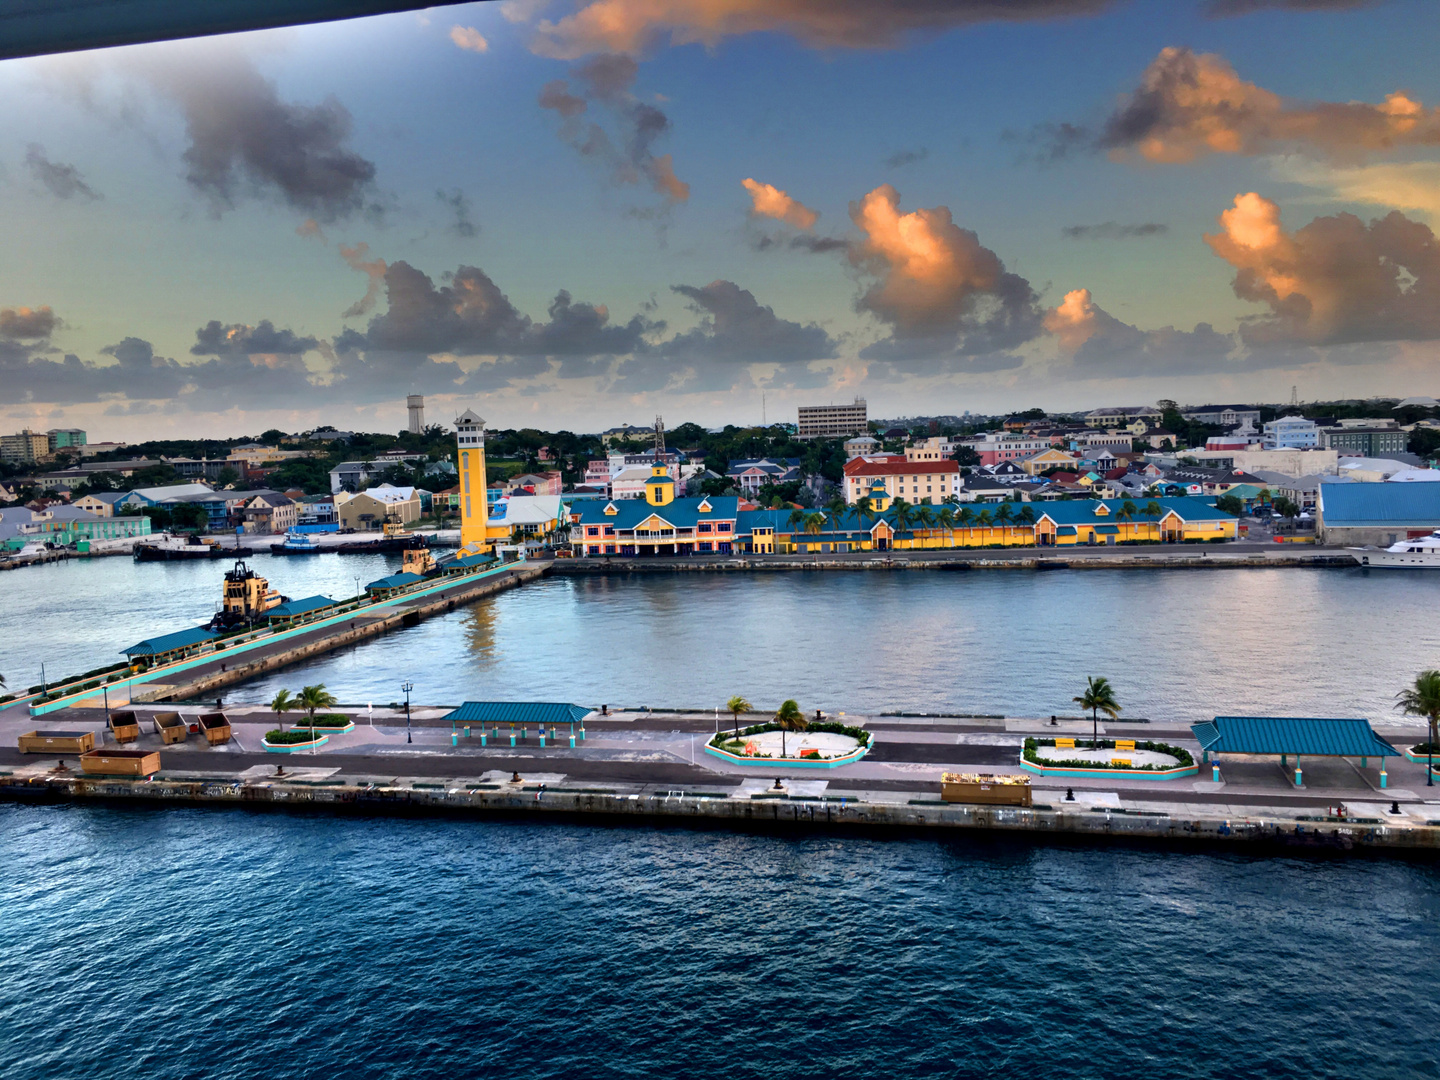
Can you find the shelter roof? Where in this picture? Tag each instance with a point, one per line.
(518, 712)
(1346, 504)
(291, 608)
(180, 639)
(1309, 736)
(395, 581)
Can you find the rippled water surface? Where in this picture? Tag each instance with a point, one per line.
(1179, 644)
(231, 944)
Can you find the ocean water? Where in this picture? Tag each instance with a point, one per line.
(1179, 645)
(218, 944)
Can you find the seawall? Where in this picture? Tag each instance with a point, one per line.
(996, 559)
(1257, 831)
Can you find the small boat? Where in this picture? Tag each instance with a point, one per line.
(296, 543)
(1418, 553)
(171, 548)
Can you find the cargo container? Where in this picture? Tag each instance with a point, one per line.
(109, 762)
(125, 725)
(216, 727)
(56, 742)
(984, 788)
(170, 726)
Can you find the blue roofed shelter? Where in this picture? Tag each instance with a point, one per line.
(293, 611)
(390, 586)
(167, 647)
(521, 714)
(1298, 736)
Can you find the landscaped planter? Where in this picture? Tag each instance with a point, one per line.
(334, 724)
(295, 747)
(1080, 769)
(861, 740)
(1419, 758)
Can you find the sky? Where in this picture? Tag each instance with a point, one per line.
(577, 213)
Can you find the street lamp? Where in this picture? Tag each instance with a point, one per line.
(407, 687)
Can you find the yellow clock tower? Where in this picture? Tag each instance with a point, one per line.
(470, 441)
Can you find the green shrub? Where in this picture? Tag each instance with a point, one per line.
(294, 735)
(1179, 753)
(324, 720)
(860, 735)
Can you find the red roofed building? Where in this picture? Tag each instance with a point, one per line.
(913, 481)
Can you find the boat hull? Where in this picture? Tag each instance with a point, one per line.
(281, 549)
(144, 553)
(1398, 560)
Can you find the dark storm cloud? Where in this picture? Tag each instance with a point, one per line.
(237, 339)
(906, 157)
(1222, 8)
(814, 245)
(244, 139)
(62, 181)
(736, 328)
(1113, 230)
(27, 323)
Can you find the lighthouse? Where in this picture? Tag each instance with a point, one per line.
(470, 444)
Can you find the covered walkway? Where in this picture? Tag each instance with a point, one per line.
(1288, 736)
(545, 718)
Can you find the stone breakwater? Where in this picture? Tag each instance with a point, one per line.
(1261, 830)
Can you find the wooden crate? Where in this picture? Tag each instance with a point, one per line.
(125, 725)
(121, 762)
(215, 726)
(56, 742)
(985, 789)
(170, 726)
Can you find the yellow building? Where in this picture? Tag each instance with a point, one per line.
(470, 441)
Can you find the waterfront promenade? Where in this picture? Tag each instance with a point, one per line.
(652, 764)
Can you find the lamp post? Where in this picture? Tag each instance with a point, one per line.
(407, 687)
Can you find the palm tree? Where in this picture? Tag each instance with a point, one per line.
(1026, 516)
(794, 521)
(1152, 510)
(836, 506)
(737, 705)
(790, 718)
(985, 519)
(1099, 697)
(946, 520)
(814, 526)
(903, 512)
(312, 698)
(1003, 516)
(1423, 699)
(282, 703)
(926, 517)
(964, 518)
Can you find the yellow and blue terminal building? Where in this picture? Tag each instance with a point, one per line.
(663, 525)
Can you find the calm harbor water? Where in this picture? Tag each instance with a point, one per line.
(1178, 644)
(227, 944)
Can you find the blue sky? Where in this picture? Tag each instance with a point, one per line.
(151, 191)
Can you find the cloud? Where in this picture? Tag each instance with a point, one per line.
(1221, 8)
(62, 181)
(906, 157)
(237, 339)
(244, 139)
(769, 201)
(932, 281)
(459, 206)
(635, 26)
(736, 328)
(1113, 230)
(373, 269)
(1102, 345)
(1189, 105)
(25, 323)
(626, 150)
(1411, 185)
(310, 229)
(1335, 280)
(470, 39)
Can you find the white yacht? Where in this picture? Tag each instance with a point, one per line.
(1419, 553)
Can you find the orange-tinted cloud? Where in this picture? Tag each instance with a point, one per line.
(632, 26)
(1336, 279)
(374, 269)
(469, 39)
(24, 322)
(1102, 345)
(769, 201)
(1189, 105)
(1075, 321)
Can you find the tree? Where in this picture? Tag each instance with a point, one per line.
(903, 513)
(1099, 697)
(1152, 511)
(837, 506)
(1027, 514)
(946, 520)
(814, 526)
(926, 517)
(227, 476)
(790, 718)
(737, 705)
(985, 519)
(865, 509)
(963, 519)
(1004, 515)
(1423, 699)
(282, 703)
(312, 698)
(1230, 504)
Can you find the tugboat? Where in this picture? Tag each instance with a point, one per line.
(169, 547)
(246, 599)
(1421, 553)
(296, 543)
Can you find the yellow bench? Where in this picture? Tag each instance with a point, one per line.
(1068, 744)
(1120, 761)
(1124, 744)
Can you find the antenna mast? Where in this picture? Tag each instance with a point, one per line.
(659, 438)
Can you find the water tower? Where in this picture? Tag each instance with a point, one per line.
(416, 404)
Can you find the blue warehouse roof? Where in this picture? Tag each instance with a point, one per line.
(1309, 736)
(1083, 511)
(518, 712)
(1391, 504)
(180, 639)
(292, 608)
(682, 513)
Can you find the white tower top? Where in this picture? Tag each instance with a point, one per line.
(415, 403)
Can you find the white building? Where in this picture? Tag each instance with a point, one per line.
(935, 448)
(1290, 433)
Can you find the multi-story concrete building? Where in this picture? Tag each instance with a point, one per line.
(26, 446)
(1222, 415)
(861, 445)
(752, 474)
(66, 438)
(1120, 415)
(913, 481)
(833, 421)
(1290, 433)
(935, 448)
(995, 448)
(1366, 442)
